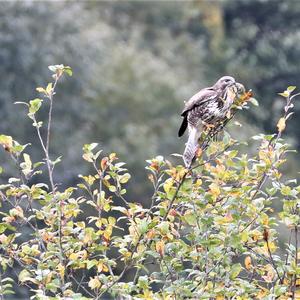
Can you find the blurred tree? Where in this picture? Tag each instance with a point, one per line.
(262, 39)
(129, 88)
(136, 62)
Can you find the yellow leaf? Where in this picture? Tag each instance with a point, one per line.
(6, 141)
(244, 236)
(80, 254)
(224, 220)
(49, 88)
(180, 174)
(272, 247)
(228, 217)
(87, 237)
(281, 124)
(215, 190)
(41, 90)
(168, 185)
(297, 294)
(133, 231)
(265, 219)
(113, 156)
(150, 234)
(73, 256)
(48, 278)
(83, 254)
(141, 248)
(68, 294)
(107, 233)
(198, 183)
(3, 238)
(17, 212)
(94, 283)
(148, 295)
(101, 267)
(261, 294)
(61, 270)
(256, 235)
(248, 263)
(160, 247)
(270, 273)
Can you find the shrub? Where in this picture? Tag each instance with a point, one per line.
(209, 232)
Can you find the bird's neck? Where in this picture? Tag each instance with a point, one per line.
(228, 95)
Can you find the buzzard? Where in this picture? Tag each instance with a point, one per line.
(208, 107)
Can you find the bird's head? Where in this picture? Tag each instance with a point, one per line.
(235, 91)
(224, 82)
(240, 89)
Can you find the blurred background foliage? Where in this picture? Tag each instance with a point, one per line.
(134, 64)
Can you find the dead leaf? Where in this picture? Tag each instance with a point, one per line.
(248, 263)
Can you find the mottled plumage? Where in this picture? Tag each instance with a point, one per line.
(209, 106)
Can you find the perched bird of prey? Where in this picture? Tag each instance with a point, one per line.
(208, 107)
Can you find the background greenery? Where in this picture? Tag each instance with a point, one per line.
(134, 64)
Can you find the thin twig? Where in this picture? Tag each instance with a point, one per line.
(79, 284)
(287, 257)
(272, 260)
(51, 94)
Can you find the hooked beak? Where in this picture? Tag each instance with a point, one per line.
(234, 84)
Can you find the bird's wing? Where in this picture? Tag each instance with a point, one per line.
(198, 99)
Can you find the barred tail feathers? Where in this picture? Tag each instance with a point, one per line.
(191, 146)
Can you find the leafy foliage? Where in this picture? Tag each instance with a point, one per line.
(209, 232)
(140, 61)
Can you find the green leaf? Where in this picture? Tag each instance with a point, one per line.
(254, 101)
(124, 178)
(235, 270)
(286, 190)
(49, 88)
(91, 263)
(163, 227)
(24, 275)
(191, 219)
(34, 105)
(285, 94)
(26, 165)
(168, 185)
(142, 227)
(68, 70)
(291, 88)
(27, 160)
(56, 161)
(112, 188)
(41, 90)
(6, 140)
(5, 226)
